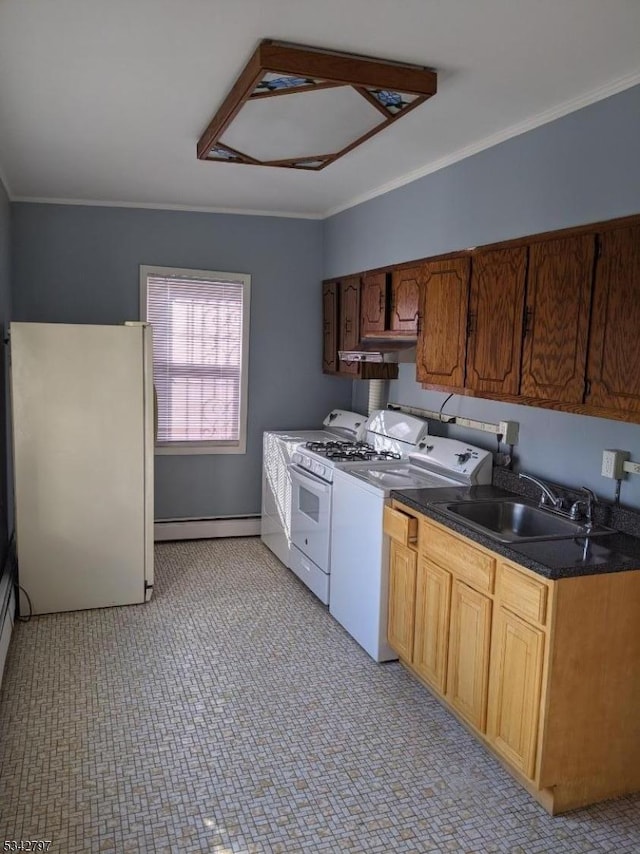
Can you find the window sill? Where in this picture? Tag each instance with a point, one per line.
(193, 449)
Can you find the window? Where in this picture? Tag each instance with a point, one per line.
(200, 326)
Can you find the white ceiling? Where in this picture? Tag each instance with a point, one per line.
(104, 100)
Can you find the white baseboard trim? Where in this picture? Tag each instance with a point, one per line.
(206, 529)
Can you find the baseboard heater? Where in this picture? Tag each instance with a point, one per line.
(206, 529)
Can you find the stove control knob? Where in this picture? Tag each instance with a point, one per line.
(462, 458)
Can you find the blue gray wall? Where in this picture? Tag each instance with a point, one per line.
(581, 168)
(80, 264)
(6, 494)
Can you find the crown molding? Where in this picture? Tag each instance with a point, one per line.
(36, 200)
(543, 118)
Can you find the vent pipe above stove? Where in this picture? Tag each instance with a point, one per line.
(376, 395)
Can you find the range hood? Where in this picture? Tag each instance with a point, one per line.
(377, 350)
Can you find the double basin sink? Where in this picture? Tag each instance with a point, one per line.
(518, 520)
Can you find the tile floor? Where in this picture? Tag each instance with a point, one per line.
(233, 715)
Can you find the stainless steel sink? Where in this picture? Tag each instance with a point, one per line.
(517, 520)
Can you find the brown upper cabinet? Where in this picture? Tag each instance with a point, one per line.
(405, 301)
(440, 356)
(389, 304)
(556, 324)
(373, 304)
(494, 325)
(329, 327)
(614, 354)
(341, 301)
(349, 321)
(548, 320)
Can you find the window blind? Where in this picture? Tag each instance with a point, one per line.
(197, 358)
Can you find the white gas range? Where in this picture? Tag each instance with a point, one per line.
(278, 447)
(387, 438)
(359, 549)
(321, 458)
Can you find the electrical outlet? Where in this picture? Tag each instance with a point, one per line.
(613, 463)
(631, 468)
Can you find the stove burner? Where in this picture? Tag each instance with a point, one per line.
(330, 444)
(345, 451)
(366, 454)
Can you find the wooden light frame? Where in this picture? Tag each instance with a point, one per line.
(324, 69)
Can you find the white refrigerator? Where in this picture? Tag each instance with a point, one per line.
(83, 445)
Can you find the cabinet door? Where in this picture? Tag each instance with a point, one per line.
(469, 654)
(349, 321)
(405, 301)
(496, 304)
(402, 599)
(554, 357)
(433, 602)
(329, 327)
(514, 690)
(614, 355)
(373, 304)
(440, 357)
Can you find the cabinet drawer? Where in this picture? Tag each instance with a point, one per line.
(400, 527)
(521, 594)
(452, 553)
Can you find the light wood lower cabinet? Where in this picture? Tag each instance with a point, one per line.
(545, 673)
(431, 642)
(514, 690)
(402, 597)
(469, 653)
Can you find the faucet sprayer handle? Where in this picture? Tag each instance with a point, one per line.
(592, 499)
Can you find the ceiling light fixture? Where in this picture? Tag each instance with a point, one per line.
(302, 107)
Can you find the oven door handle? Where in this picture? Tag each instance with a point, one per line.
(313, 482)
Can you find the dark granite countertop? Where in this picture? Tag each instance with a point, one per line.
(551, 558)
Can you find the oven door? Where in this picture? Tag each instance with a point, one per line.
(310, 516)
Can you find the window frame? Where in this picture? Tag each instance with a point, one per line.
(221, 446)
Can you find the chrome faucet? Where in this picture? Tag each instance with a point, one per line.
(592, 499)
(548, 496)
